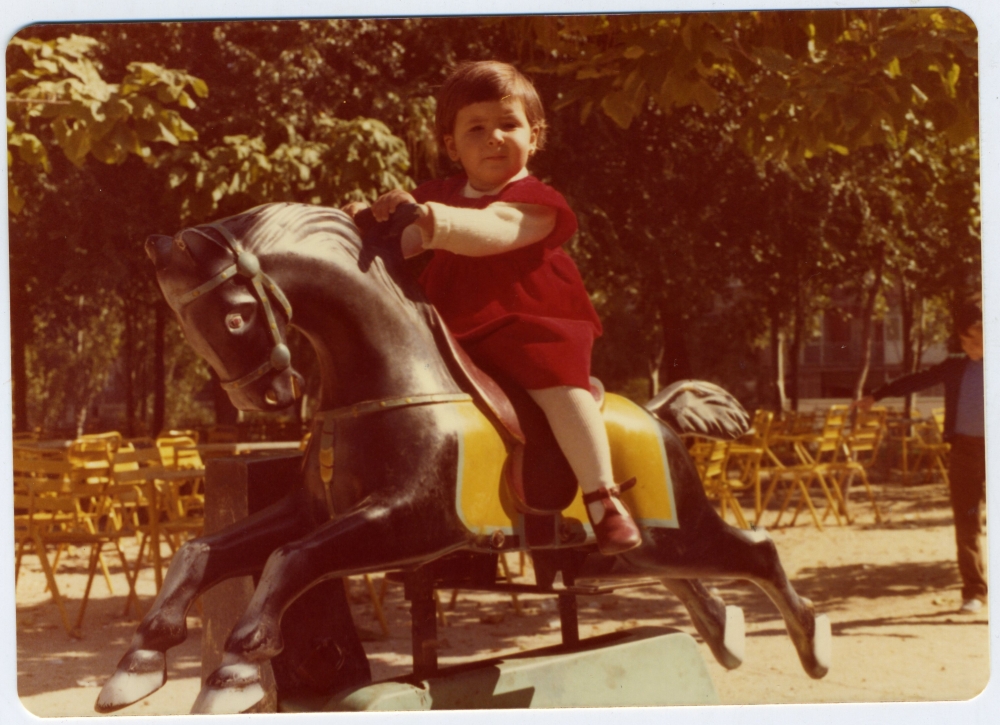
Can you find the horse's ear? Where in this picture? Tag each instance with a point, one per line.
(202, 250)
(158, 248)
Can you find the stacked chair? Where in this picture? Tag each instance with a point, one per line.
(61, 499)
(750, 456)
(711, 459)
(96, 490)
(793, 459)
(930, 449)
(160, 501)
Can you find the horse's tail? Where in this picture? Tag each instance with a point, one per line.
(700, 408)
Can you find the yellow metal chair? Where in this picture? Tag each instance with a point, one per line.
(902, 432)
(185, 495)
(748, 455)
(930, 448)
(157, 511)
(711, 459)
(861, 448)
(59, 508)
(89, 462)
(814, 454)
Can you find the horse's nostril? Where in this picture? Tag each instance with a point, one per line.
(271, 397)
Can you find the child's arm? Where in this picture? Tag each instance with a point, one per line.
(500, 227)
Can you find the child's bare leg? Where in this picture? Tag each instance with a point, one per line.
(578, 426)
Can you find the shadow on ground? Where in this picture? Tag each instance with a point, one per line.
(48, 659)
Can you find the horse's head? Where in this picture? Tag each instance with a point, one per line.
(231, 313)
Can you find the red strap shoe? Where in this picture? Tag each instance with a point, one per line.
(617, 532)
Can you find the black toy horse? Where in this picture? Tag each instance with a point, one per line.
(403, 418)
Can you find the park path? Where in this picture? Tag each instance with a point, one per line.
(891, 592)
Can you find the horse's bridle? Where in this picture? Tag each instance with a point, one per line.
(248, 266)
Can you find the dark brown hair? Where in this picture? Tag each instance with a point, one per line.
(967, 314)
(486, 80)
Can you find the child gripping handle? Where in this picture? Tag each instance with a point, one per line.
(499, 276)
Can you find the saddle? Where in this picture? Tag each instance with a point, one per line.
(539, 478)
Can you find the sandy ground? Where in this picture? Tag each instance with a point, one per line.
(890, 590)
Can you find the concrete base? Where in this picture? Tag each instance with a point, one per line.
(643, 667)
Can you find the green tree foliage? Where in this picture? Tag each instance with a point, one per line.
(817, 80)
(693, 148)
(69, 216)
(57, 91)
(101, 165)
(345, 161)
(893, 93)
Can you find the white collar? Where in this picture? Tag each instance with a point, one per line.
(469, 193)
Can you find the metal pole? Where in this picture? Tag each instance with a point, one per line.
(419, 590)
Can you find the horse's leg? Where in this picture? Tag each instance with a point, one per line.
(721, 550)
(374, 536)
(705, 546)
(198, 565)
(811, 634)
(721, 626)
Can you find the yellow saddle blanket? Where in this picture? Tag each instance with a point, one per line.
(485, 506)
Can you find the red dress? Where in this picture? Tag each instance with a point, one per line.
(524, 313)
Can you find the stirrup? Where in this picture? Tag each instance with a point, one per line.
(617, 532)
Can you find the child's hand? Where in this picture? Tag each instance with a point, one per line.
(387, 203)
(352, 208)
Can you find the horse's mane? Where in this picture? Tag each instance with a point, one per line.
(269, 227)
(324, 233)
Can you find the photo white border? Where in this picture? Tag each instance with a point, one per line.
(986, 14)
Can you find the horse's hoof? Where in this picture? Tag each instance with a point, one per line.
(258, 643)
(140, 673)
(734, 640)
(822, 648)
(232, 689)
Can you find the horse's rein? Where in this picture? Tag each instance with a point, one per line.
(248, 266)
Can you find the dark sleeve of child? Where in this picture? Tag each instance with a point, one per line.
(916, 382)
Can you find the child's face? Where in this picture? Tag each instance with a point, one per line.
(972, 341)
(492, 140)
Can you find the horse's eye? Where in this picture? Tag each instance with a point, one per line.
(234, 321)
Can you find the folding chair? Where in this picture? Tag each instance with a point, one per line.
(142, 479)
(812, 466)
(861, 447)
(63, 509)
(711, 460)
(930, 447)
(748, 455)
(185, 495)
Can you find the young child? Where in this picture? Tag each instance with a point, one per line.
(500, 279)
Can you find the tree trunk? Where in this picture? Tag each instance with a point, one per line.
(798, 326)
(906, 335)
(81, 418)
(159, 369)
(868, 331)
(20, 332)
(777, 347)
(779, 366)
(676, 364)
(129, 371)
(919, 346)
(655, 364)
